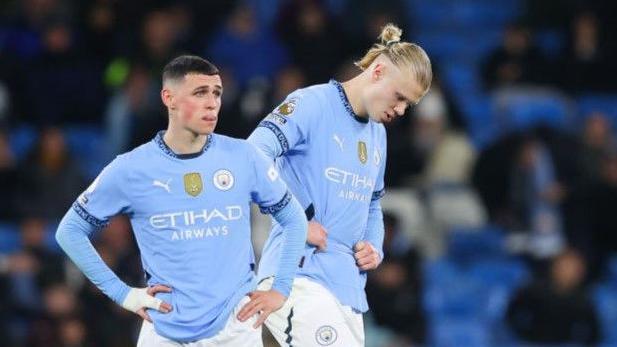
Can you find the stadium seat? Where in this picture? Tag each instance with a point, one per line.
(10, 240)
(86, 143)
(605, 298)
(473, 244)
(50, 237)
(605, 103)
(527, 108)
(22, 138)
(459, 332)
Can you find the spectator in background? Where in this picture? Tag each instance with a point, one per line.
(557, 311)
(305, 25)
(450, 152)
(287, 80)
(600, 218)
(535, 197)
(395, 288)
(586, 61)
(8, 177)
(49, 179)
(597, 142)
(247, 50)
(362, 22)
(431, 146)
(26, 273)
(516, 62)
(57, 75)
(131, 111)
(60, 306)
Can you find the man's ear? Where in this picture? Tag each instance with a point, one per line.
(168, 98)
(378, 71)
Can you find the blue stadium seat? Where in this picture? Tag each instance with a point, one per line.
(463, 15)
(551, 42)
(524, 111)
(86, 143)
(469, 245)
(22, 138)
(605, 103)
(605, 297)
(458, 332)
(461, 78)
(50, 237)
(10, 240)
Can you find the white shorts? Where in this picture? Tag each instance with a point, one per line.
(235, 333)
(312, 316)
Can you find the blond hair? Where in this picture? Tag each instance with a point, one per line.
(401, 53)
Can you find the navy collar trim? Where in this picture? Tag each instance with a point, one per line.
(345, 101)
(158, 139)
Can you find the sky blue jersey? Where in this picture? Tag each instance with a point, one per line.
(191, 219)
(333, 161)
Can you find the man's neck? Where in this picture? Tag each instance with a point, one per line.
(353, 91)
(183, 141)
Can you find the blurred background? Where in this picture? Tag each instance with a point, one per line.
(501, 212)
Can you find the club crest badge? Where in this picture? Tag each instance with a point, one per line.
(223, 180)
(326, 335)
(192, 183)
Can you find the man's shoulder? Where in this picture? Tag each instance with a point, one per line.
(315, 91)
(232, 145)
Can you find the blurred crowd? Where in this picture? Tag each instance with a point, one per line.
(543, 179)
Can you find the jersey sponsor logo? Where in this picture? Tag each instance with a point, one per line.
(195, 218)
(165, 185)
(223, 180)
(326, 335)
(287, 107)
(200, 233)
(349, 178)
(192, 183)
(362, 152)
(355, 186)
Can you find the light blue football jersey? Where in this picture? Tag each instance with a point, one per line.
(191, 219)
(333, 162)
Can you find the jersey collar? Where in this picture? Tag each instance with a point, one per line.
(158, 139)
(345, 101)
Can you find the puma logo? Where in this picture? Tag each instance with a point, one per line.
(165, 185)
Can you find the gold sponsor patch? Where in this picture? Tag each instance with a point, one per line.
(192, 183)
(362, 152)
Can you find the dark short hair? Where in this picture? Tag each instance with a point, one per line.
(187, 64)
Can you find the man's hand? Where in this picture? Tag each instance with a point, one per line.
(262, 303)
(317, 236)
(139, 299)
(367, 257)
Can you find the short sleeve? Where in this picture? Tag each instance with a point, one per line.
(269, 191)
(104, 198)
